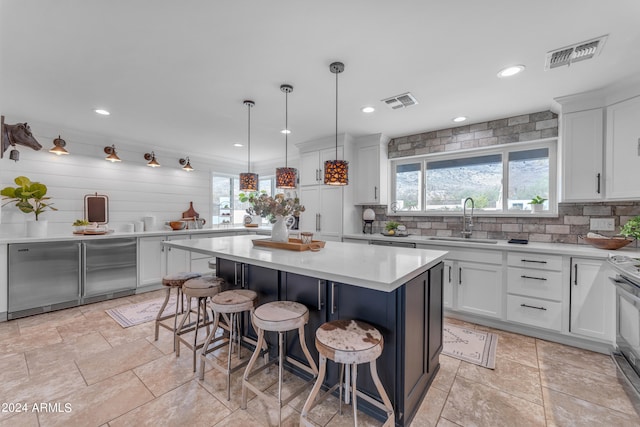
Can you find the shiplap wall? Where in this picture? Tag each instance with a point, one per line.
(134, 189)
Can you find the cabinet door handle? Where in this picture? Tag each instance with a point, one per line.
(318, 222)
(533, 260)
(242, 267)
(82, 272)
(459, 275)
(598, 183)
(333, 297)
(575, 274)
(531, 277)
(375, 193)
(449, 274)
(320, 294)
(531, 306)
(235, 273)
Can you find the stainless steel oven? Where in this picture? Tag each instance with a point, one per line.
(627, 283)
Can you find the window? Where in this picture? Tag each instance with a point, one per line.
(500, 180)
(227, 208)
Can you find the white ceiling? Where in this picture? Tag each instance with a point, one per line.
(174, 73)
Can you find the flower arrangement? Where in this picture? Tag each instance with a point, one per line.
(270, 207)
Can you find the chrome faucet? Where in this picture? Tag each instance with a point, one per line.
(467, 220)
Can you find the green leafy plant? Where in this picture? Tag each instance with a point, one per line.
(80, 222)
(29, 197)
(537, 200)
(631, 228)
(391, 225)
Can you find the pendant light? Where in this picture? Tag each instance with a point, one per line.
(186, 164)
(248, 180)
(58, 146)
(336, 172)
(286, 176)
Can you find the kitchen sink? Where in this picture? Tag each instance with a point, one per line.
(463, 239)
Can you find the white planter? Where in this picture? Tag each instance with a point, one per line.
(537, 208)
(279, 232)
(37, 228)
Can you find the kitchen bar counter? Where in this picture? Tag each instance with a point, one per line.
(397, 290)
(374, 267)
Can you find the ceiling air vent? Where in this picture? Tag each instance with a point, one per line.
(577, 52)
(400, 101)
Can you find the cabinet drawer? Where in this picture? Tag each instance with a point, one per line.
(535, 283)
(532, 260)
(534, 312)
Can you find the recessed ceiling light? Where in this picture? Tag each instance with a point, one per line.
(459, 119)
(285, 131)
(237, 145)
(511, 71)
(102, 112)
(367, 109)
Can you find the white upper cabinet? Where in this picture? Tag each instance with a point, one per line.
(312, 165)
(582, 141)
(623, 149)
(371, 170)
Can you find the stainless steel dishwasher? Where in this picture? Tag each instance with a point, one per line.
(55, 275)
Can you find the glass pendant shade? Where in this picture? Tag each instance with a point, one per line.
(112, 155)
(336, 172)
(286, 177)
(248, 181)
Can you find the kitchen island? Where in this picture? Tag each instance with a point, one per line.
(398, 290)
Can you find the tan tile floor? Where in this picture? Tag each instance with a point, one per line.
(92, 372)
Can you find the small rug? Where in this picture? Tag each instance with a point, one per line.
(472, 346)
(146, 311)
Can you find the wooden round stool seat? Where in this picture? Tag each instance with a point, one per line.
(178, 279)
(349, 341)
(202, 287)
(281, 316)
(234, 301)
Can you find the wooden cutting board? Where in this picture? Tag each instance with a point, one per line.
(190, 213)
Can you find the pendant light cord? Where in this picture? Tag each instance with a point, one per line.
(286, 128)
(249, 139)
(337, 116)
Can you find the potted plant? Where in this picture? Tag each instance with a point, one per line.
(30, 197)
(537, 204)
(631, 228)
(391, 227)
(79, 225)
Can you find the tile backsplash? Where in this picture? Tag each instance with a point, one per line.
(573, 220)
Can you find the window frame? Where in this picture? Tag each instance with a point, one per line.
(504, 150)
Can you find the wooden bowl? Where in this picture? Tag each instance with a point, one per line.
(610, 244)
(177, 225)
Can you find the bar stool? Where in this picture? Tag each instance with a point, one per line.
(280, 317)
(349, 342)
(229, 305)
(200, 288)
(172, 281)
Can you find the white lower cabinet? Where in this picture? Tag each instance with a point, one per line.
(479, 288)
(200, 262)
(155, 261)
(592, 300)
(535, 312)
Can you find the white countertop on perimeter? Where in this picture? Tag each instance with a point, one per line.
(375, 267)
(539, 247)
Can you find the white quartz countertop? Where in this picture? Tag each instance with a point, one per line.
(548, 248)
(67, 234)
(374, 267)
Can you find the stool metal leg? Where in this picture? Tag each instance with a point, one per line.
(207, 343)
(176, 341)
(354, 390)
(234, 321)
(305, 350)
(159, 316)
(314, 393)
(280, 374)
(247, 371)
(383, 394)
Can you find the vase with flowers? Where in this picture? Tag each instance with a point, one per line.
(275, 209)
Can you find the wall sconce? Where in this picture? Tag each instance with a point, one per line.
(58, 146)
(186, 165)
(153, 163)
(112, 155)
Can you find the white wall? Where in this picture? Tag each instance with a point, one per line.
(134, 189)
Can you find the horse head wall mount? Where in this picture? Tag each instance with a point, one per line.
(20, 134)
